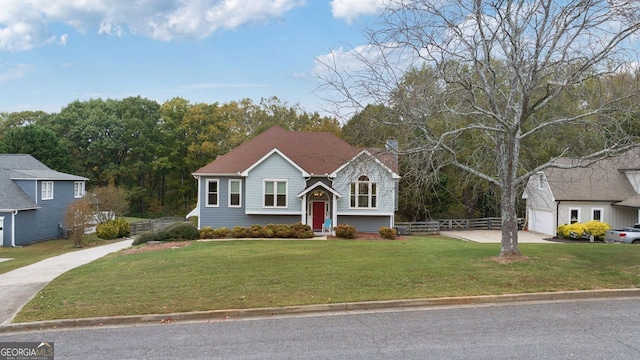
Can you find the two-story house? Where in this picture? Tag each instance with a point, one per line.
(33, 199)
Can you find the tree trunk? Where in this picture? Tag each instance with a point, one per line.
(509, 241)
(509, 150)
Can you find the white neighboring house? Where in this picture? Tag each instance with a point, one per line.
(607, 190)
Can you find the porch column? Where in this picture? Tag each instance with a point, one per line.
(334, 212)
(304, 210)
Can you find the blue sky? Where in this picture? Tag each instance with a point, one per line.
(54, 52)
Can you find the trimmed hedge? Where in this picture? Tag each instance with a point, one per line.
(280, 231)
(175, 232)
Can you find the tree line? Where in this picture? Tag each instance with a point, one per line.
(148, 149)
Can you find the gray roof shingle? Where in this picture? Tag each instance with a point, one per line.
(604, 180)
(24, 167)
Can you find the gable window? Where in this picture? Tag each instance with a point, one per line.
(574, 215)
(275, 193)
(364, 193)
(235, 193)
(212, 192)
(596, 214)
(78, 189)
(540, 180)
(47, 190)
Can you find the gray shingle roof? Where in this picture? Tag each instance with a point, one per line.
(24, 167)
(603, 180)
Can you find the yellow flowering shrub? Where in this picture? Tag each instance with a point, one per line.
(594, 227)
(597, 228)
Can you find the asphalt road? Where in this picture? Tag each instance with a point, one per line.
(602, 329)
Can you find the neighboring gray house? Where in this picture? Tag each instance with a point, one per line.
(607, 190)
(284, 177)
(33, 199)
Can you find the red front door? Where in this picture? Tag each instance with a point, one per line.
(318, 215)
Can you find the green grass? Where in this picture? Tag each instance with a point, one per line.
(247, 274)
(29, 254)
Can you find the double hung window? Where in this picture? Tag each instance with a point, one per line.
(275, 193)
(47, 190)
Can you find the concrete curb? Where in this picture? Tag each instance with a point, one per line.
(320, 308)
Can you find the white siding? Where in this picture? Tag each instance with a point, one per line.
(541, 206)
(616, 216)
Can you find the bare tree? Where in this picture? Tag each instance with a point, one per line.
(500, 77)
(108, 202)
(78, 218)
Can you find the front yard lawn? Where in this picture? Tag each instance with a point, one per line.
(253, 274)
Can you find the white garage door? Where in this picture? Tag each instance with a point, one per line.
(542, 222)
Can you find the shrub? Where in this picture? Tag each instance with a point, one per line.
(222, 232)
(282, 231)
(300, 231)
(107, 230)
(267, 231)
(346, 231)
(181, 231)
(578, 230)
(572, 231)
(113, 229)
(150, 236)
(207, 232)
(239, 232)
(254, 231)
(597, 228)
(387, 233)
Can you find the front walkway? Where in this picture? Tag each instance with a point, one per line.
(19, 286)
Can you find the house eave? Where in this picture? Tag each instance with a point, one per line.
(217, 174)
(297, 213)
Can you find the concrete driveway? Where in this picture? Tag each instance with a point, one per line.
(494, 236)
(19, 286)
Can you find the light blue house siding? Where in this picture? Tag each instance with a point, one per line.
(225, 216)
(276, 168)
(367, 219)
(368, 224)
(44, 223)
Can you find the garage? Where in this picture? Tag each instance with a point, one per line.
(542, 222)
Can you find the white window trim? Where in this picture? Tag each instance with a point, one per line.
(44, 193)
(601, 213)
(206, 200)
(579, 219)
(369, 195)
(239, 193)
(275, 190)
(78, 189)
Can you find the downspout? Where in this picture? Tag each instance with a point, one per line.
(13, 228)
(557, 216)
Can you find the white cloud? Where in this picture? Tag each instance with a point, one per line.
(14, 72)
(351, 9)
(24, 24)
